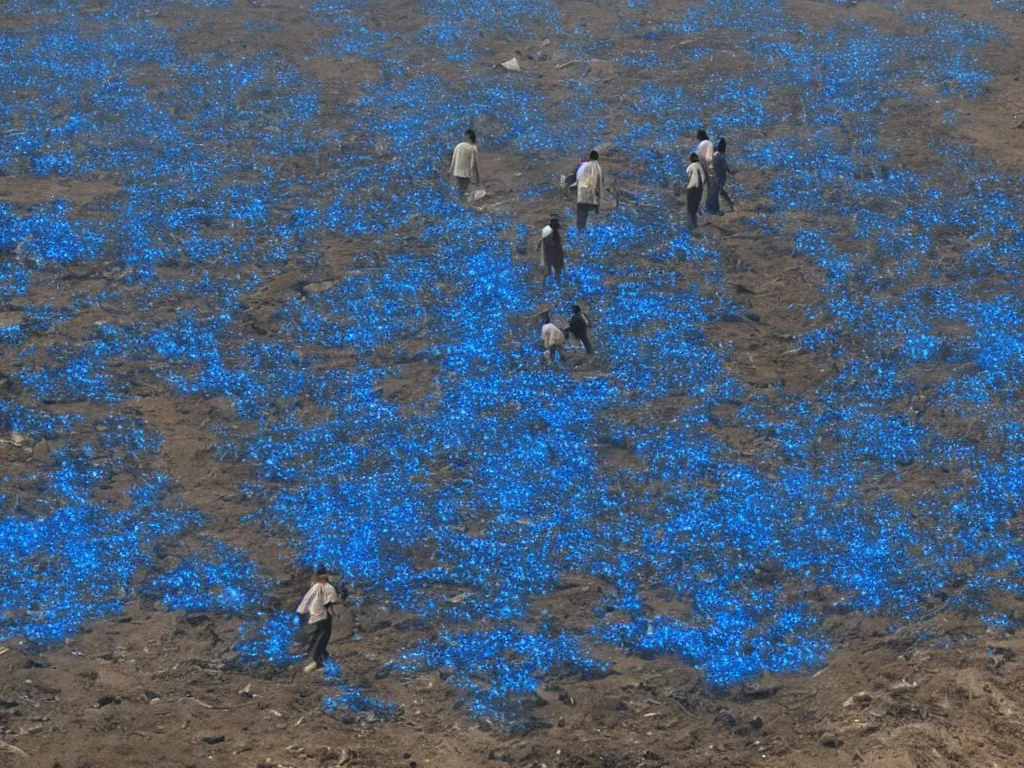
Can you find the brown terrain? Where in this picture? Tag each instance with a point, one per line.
(151, 688)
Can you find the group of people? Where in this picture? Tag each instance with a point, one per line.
(554, 338)
(706, 174)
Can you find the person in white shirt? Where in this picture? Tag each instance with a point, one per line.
(465, 165)
(694, 187)
(706, 155)
(589, 181)
(318, 604)
(552, 337)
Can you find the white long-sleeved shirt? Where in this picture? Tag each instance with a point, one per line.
(696, 173)
(464, 163)
(551, 335)
(589, 180)
(316, 600)
(706, 152)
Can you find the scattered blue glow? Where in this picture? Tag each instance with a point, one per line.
(496, 480)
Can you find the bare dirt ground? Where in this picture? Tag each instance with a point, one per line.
(151, 688)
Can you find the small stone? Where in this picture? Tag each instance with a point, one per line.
(861, 699)
(759, 690)
(313, 288)
(213, 739)
(41, 451)
(479, 194)
(105, 700)
(512, 65)
(830, 740)
(154, 701)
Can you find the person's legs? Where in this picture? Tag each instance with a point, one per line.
(585, 338)
(463, 184)
(582, 214)
(318, 644)
(725, 196)
(711, 204)
(693, 196)
(704, 187)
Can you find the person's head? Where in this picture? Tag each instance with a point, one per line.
(593, 154)
(545, 317)
(470, 136)
(693, 157)
(554, 223)
(576, 308)
(702, 135)
(721, 146)
(322, 575)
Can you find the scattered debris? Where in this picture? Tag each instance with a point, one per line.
(480, 194)
(861, 699)
(759, 690)
(313, 288)
(830, 740)
(512, 65)
(213, 739)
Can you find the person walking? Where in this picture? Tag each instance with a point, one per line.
(580, 328)
(706, 156)
(553, 256)
(694, 188)
(465, 164)
(552, 337)
(722, 170)
(589, 181)
(318, 604)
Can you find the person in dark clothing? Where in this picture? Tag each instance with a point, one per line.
(553, 256)
(722, 169)
(580, 328)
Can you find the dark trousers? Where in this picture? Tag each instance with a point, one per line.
(693, 195)
(319, 636)
(585, 338)
(462, 184)
(725, 196)
(583, 213)
(711, 205)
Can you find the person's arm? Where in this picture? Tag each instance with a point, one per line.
(476, 166)
(304, 605)
(330, 598)
(451, 165)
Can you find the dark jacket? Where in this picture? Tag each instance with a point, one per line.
(578, 325)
